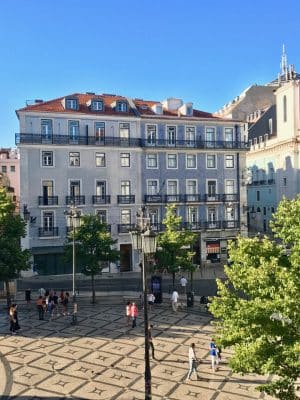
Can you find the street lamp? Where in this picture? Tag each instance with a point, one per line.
(144, 241)
(74, 215)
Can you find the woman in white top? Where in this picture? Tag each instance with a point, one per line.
(192, 362)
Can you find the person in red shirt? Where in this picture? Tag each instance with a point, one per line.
(133, 313)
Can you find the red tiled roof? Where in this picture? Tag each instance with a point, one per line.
(144, 107)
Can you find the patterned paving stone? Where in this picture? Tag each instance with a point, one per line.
(61, 384)
(30, 376)
(98, 391)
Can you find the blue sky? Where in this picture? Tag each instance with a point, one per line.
(201, 51)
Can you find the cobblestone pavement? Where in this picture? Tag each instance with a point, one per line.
(102, 358)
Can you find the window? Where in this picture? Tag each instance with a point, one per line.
(270, 123)
(99, 132)
(12, 168)
(102, 216)
(124, 131)
(284, 109)
(171, 160)
(125, 217)
(48, 222)
(122, 106)
(211, 161)
(125, 188)
(125, 159)
(151, 135)
(210, 137)
(211, 189)
(152, 187)
(47, 158)
(192, 215)
(191, 189)
(153, 215)
(152, 161)
(100, 188)
(97, 105)
(47, 191)
(229, 216)
(46, 129)
(190, 136)
(74, 188)
(172, 187)
(228, 134)
(257, 195)
(100, 160)
(71, 104)
(171, 135)
(284, 181)
(74, 159)
(229, 186)
(74, 130)
(229, 161)
(191, 161)
(212, 217)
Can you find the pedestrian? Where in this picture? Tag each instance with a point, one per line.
(28, 296)
(183, 282)
(17, 326)
(193, 362)
(55, 303)
(151, 300)
(42, 292)
(213, 355)
(65, 303)
(40, 307)
(174, 300)
(13, 319)
(133, 314)
(219, 354)
(150, 340)
(74, 315)
(127, 312)
(50, 307)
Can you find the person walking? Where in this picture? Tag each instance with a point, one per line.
(40, 307)
(193, 362)
(65, 303)
(151, 300)
(174, 300)
(150, 340)
(183, 282)
(74, 315)
(133, 314)
(13, 319)
(127, 312)
(213, 355)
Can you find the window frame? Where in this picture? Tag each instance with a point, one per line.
(71, 103)
(171, 139)
(97, 102)
(74, 159)
(214, 159)
(187, 161)
(43, 154)
(227, 163)
(98, 155)
(170, 157)
(147, 160)
(122, 158)
(147, 187)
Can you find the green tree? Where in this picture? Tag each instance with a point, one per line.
(174, 246)
(257, 307)
(13, 259)
(94, 247)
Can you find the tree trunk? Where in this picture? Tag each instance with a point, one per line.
(93, 289)
(173, 278)
(8, 299)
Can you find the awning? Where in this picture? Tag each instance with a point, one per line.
(212, 248)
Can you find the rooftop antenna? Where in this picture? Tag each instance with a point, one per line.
(283, 63)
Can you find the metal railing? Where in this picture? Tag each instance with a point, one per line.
(101, 199)
(126, 199)
(75, 200)
(48, 232)
(48, 200)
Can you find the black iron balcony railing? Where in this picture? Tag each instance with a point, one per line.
(48, 232)
(192, 226)
(212, 225)
(212, 197)
(174, 198)
(192, 198)
(153, 198)
(231, 224)
(48, 200)
(125, 228)
(75, 200)
(101, 199)
(230, 197)
(36, 138)
(126, 199)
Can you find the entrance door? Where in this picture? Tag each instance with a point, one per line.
(125, 257)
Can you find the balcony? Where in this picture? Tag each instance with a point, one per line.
(192, 226)
(70, 228)
(192, 198)
(231, 224)
(212, 197)
(48, 232)
(230, 197)
(173, 198)
(48, 200)
(101, 199)
(37, 139)
(75, 200)
(126, 199)
(153, 198)
(125, 228)
(212, 225)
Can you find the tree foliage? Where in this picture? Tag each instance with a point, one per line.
(174, 246)
(94, 246)
(257, 307)
(13, 259)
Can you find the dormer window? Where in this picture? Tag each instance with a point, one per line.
(97, 105)
(122, 106)
(71, 104)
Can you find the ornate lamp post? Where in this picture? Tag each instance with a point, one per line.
(74, 215)
(144, 240)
